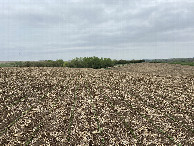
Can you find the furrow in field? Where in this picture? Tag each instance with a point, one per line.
(13, 118)
(81, 126)
(101, 93)
(113, 125)
(177, 98)
(55, 125)
(170, 128)
(175, 94)
(182, 111)
(98, 136)
(144, 131)
(186, 125)
(86, 123)
(183, 120)
(10, 113)
(23, 128)
(56, 122)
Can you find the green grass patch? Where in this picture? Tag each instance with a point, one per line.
(6, 65)
(183, 63)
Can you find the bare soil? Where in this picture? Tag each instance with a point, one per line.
(137, 104)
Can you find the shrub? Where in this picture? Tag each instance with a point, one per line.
(90, 62)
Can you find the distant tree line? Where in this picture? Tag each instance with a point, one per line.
(96, 63)
(45, 63)
(128, 61)
(82, 62)
(172, 60)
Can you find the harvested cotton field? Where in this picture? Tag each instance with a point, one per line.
(139, 104)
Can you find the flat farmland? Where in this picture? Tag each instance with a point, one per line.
(138, 104)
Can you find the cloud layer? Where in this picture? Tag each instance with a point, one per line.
(53, 29)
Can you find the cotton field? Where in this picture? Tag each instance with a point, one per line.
(138, 104)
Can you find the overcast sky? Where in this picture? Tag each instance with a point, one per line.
(117, 29)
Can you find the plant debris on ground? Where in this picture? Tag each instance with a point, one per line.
(136, 104)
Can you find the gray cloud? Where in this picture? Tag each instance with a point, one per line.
(109, 28)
